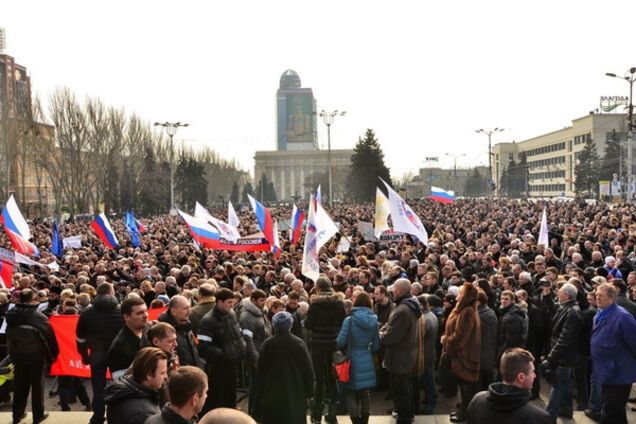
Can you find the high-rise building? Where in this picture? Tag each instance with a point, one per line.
(296, 114)
(15, 89)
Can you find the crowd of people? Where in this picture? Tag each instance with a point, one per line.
(481, 311)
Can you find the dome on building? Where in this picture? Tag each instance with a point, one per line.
(289, 79)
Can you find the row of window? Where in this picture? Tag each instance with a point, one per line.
(549, 174)
(546, 149)
(545, 162)
(547, 187)
(582, 139)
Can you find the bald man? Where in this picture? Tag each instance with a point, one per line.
(178, 315)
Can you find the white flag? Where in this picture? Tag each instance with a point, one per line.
(311, 265)
(325, 227)
(232, 217)
(382, 212)
(543, 232)
(227, 231)
(343, 245)
(404, 218)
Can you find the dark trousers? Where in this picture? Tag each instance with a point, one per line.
(614, 401)
(325, 382)
(486, 378)
(70, 389)
(402, 397)
(222, 387)
(29, 375)
(580, 381)
(98, 383)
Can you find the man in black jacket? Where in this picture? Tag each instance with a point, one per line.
(324, 319)
(97, 327)
(509, 401)
(222, 347)
(126, 344)
(135, 397)
(565, 340)
(513, 324)
(32, 346)
(399, 337)
(188, 388)
(177, 315)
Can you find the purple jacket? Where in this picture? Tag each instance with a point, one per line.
(614, 346)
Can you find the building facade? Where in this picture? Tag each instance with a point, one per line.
(296, 114)
(296, 173)
(15, 89)
(457, 180)
(551, 158)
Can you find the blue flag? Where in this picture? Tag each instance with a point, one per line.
(56, 242)
(133, 230)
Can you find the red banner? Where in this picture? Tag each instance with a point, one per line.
(69, 361)
(153, 313)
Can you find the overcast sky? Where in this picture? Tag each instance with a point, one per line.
(423, 75)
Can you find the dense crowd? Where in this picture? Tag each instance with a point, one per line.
(482, 311)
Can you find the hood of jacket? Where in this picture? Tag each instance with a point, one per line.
(167, 317)
(21, 314)
(252, 309)
(515, 309)
(412, 303)
(364, 318)
(105, 303)
(127, 388)
(325, 296)
(505, 398)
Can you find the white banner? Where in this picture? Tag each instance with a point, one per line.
(73, 242)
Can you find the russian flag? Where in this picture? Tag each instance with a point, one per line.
(276, 246)
(22, 245)
(105, 233)
(13, 220)
(202, 232)
(6, 274)
(296, 225)
(264, 218)
(140, 226)
(441, 195)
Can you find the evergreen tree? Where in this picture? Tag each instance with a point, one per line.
(190, 183)
(265, 189)
(587, 171)
(367, 164)
(476, 185)
(234, 196)
(612, 157)
(154, 185)
(247, 189)
(504, 182)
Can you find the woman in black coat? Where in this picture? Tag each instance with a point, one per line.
(285, 376)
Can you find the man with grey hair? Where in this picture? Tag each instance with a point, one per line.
(565, 339)
(178, 315)
(399, 337)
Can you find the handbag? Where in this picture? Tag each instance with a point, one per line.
(341, 361)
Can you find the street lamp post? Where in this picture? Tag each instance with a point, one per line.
(327, 118)
(171, 129)
(455, 156)
(630, 78)
(489, 133)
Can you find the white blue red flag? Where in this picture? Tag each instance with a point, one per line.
(6, 274)
(13, 220)
(102, 228)
(311, 264)
(232, 217)
(404, 218)
(202, 232)
(441, 195)
(226, 231)
(276, 246)
(296, 225)
(264, 219)
(318, 195)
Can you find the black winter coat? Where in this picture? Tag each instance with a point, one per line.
(324, 319)
(285, 380)
(98, 326)
(122, 351)
(186, 346)
(399, 336)
(566, 334)
(488, 325)
(503, 404)
(168, 416)
(29, 334)
(220, 339)
(130, 402)
(513, 329)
